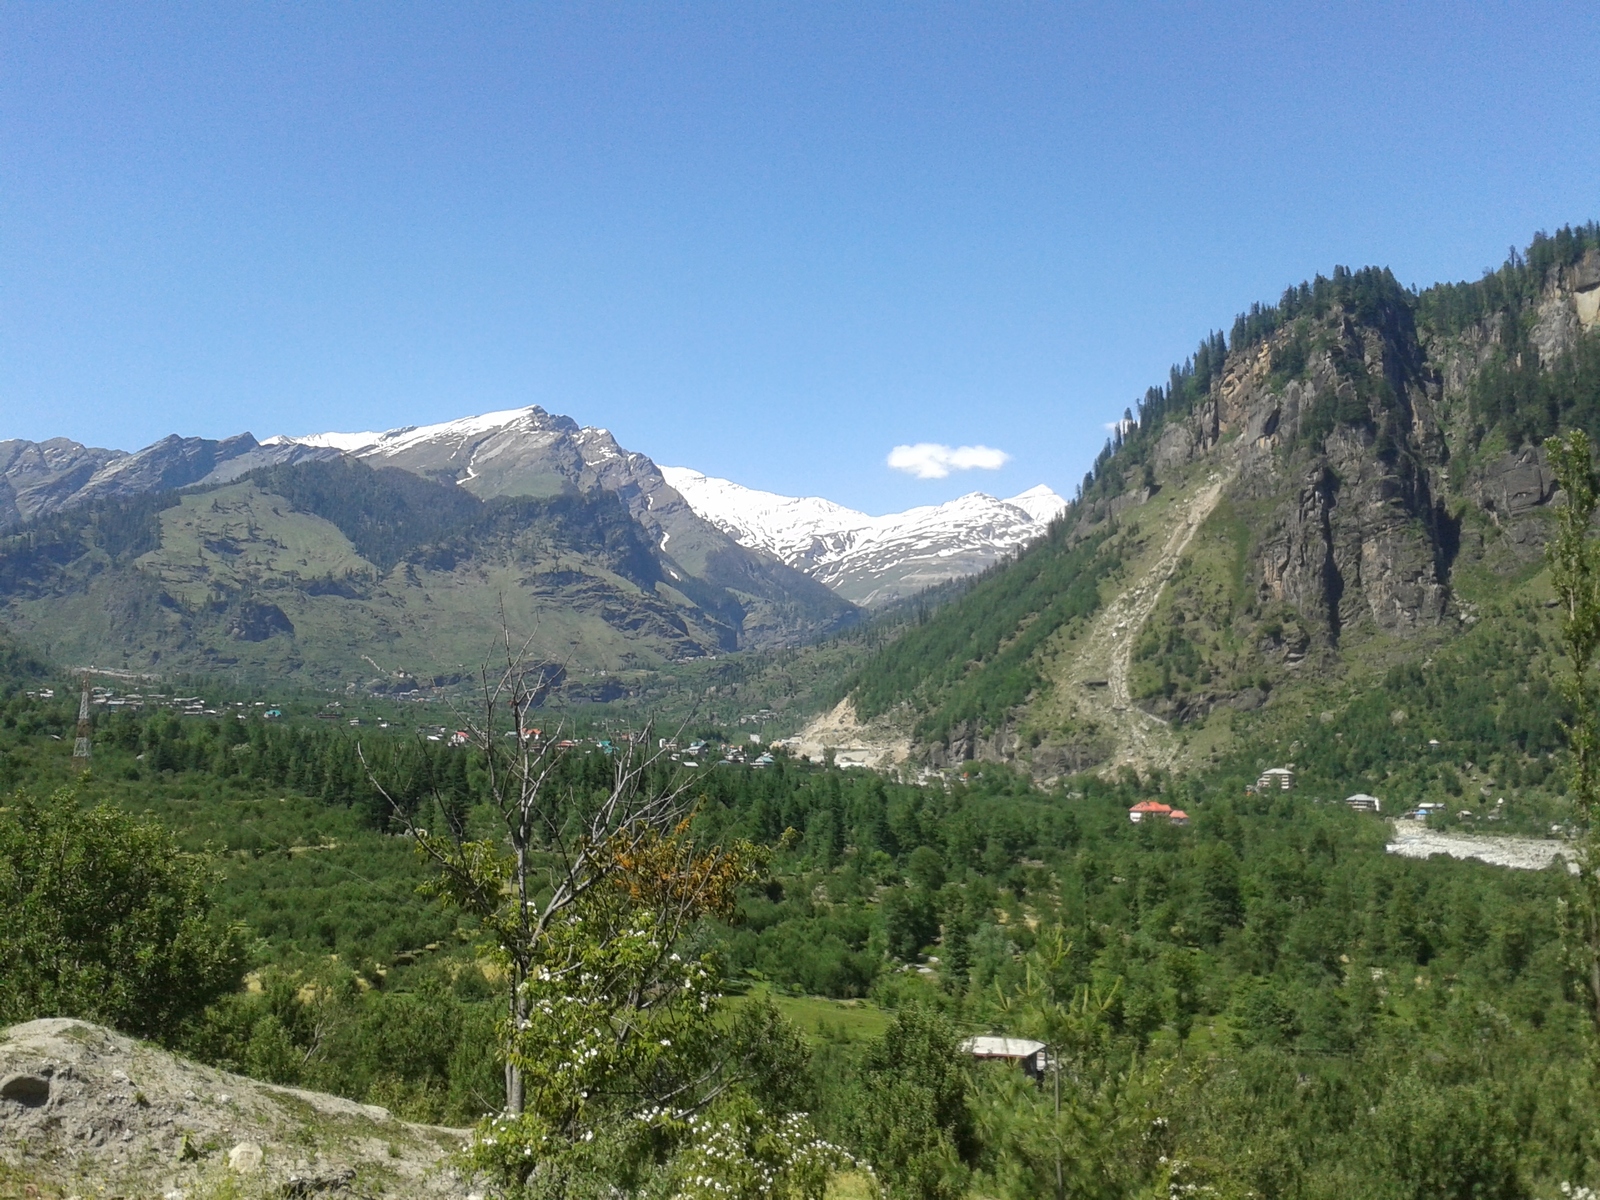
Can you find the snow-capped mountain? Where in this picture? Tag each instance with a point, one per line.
(871, 560)
(789, 566)
(866, 559)
(531, 452)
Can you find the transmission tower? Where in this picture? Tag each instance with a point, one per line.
(80, 747)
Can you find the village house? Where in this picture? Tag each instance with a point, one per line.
(1023, 1052)
(1153, 809)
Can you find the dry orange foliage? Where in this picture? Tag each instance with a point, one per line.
(671, 873)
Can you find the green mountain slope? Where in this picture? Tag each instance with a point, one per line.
(1347, 483)
(332, 572)
(530, 453)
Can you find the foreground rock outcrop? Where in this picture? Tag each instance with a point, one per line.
(84, 1110)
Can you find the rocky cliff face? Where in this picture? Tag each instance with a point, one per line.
(1360, 467)
(530, 452)
(1366, 469)
(40, 478)
(1354, 530)
(1338, 487)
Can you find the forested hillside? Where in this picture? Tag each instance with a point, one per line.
(1262, 1002)
(1338, 487)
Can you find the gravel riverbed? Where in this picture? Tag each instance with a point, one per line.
(1415, 840)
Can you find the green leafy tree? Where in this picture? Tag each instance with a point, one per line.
(1575, 572)
(926, 868)
(1182, 972)
(591, 898)
(909, 922)
(104, 917)
(1450, 1142)
(910, 1117)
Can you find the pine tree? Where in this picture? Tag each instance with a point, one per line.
(1575, 571)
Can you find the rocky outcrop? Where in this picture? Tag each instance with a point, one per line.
(1513, 485)
(173, 462)
(1348, 462)
(38, 477)
(1556, 325)
(1583, 281)
(256, 621)
(1390, 545)
(1347, 455)
(1296, 558)
(89, 1111)
(240, 460)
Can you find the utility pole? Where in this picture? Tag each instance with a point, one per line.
(80, 746)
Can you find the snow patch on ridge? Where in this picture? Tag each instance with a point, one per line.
(865, 558)
(349, 443)
(1040, 503)
(396, 441)
(786, 526)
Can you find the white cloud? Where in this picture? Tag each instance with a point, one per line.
(929, 460)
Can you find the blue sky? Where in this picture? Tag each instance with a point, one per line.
(767, 241)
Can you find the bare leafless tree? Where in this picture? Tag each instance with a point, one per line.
(560, 842)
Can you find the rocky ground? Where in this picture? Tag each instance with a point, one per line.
(1412, 839)
(1105, 654)
(88, 1112)
(875, 744)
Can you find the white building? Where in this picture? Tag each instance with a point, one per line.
(1028, 1054)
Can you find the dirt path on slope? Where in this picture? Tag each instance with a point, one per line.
(1103, 658)
(1095, 686)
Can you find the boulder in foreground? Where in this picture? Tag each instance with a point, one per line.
(83, 1107)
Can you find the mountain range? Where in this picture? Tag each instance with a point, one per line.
(41, 478)
(1337, 489)
(871, 560)
(337, 554)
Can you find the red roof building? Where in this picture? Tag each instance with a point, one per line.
(1153, 809)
